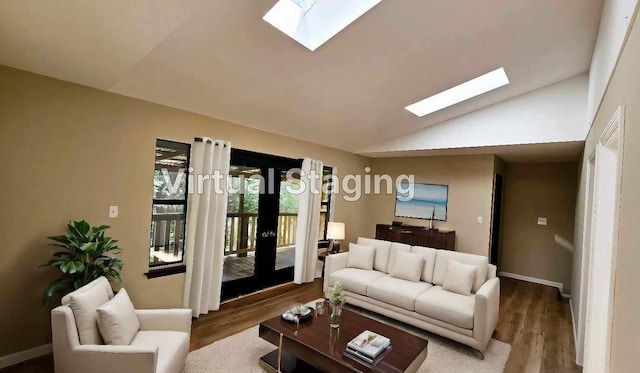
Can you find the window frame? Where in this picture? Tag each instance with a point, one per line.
(167, 269)
(324, 242)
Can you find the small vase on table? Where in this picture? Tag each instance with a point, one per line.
(336, 300)
(336, 311)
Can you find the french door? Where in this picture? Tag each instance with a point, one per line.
(261, 223)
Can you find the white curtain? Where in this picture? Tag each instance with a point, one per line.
(206, 219)
(308, 222)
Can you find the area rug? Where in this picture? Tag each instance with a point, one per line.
(240, 353)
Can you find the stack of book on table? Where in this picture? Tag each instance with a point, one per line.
(368, 347)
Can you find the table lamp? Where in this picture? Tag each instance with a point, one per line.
(335, 231)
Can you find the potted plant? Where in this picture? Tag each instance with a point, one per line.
(336, 300)
(83, 258)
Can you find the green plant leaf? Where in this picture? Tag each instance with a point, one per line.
(52, 288)
(61, 239)
(86, 246)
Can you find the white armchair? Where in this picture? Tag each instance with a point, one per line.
(160, 346)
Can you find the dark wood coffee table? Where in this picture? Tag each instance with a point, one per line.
(316, 347)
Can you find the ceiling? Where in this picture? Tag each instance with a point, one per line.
(220, 59)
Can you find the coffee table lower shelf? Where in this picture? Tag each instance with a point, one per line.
(289, 363)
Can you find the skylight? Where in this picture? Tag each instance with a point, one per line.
(462, 92)
(313, 22)
(305, 5)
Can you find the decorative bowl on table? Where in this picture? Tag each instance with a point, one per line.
(299, 313)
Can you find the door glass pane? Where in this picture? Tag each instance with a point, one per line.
(242, 223)
(287, 222)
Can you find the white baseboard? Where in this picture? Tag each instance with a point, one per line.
(540, 281)
(19, 357)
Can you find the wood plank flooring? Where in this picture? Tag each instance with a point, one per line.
(532, 320)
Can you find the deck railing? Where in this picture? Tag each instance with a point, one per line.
(167, 234)
(241, 232)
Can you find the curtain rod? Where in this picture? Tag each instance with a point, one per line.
(200, 139)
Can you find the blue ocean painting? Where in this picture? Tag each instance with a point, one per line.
(422, 201)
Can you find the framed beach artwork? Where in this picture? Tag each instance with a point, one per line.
(422, 201)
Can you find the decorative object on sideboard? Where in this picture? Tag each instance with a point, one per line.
(433, 215)
(83, 258)
(335, 232)
(422, 201)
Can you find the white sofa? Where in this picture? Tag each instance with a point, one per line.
(161, 344)
(468, 319)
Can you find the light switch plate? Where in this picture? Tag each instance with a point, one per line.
(542, 221)
(113, 211)
(479, 219)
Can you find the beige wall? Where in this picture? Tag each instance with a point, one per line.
(533, 190)
(623, 89)
(68, 152)
(470, 180)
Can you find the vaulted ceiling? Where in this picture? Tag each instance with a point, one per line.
(220, 59)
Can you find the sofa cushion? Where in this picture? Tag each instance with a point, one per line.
(361, 256)
(429, 261)
(382, 252)
(442, 264)
(446, 306)
(459, 278)
(354, 279)
(173, 348)
(407, 266)
(397, 292)
(396, 247)
(117, 320)
(84, 305)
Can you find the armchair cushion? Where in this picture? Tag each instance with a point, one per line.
(84, 305)
(117, 320)
(176, 319)
(173, 348)
(100, 282)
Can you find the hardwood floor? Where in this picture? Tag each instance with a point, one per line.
(537, 326)
(532, 320)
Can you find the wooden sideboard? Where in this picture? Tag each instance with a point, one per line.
(417, 236)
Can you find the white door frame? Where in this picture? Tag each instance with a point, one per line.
(603, 246)
(587, 238)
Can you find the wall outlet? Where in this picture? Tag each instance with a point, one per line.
(542, 221)
(113, 211)
(479, 219)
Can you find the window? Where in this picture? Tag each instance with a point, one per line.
(168, 217)
(325, 204)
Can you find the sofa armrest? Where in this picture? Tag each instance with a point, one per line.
(487, 305)
(332, 263)
(110, 358)
(176, 319)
